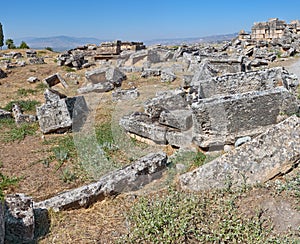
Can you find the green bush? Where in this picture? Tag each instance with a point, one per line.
(23, 45)
(178, 217)
(28, 105)
(6, 182)
(18, 133)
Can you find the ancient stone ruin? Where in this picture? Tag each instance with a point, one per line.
(217, 111)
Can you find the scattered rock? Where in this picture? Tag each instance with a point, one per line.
(36, 60)
(125, 94)
(31, 53)
(57, 115)
(150, 72)
(179, 119)
(129, 178)
(169, 100)
(270, 154)
(54, 79)
(32, 79)
(5, 114)
(19, 219)
(2, 74)
(141, 124)
(167, 76)
(20, 117)
(242, 140)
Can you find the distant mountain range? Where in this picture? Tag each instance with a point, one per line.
(61, 43)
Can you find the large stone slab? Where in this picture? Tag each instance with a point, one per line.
(129, 178)
(245, 82)
(180, 119)
(141, 124)
(19, 219)
(57, 116)
(108, 74)
(55, 79)
(270, 154)
(219, 121)
(168, 100)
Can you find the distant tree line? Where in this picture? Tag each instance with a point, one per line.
(10, 42)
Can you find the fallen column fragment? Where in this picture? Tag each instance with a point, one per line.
(129, 178)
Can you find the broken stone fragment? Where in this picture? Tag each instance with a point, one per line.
(58, 114)
(54, 79)
(218, 121)
(20, 117)
(271, 154)
(168, 100)
(99, 87)
(126, 94)
(141, 124)
(2, 74)
(129, 178)
(19, 219)
(32, 79)
(180, 118)
(167, 76)
(5, 114)
(104, 75)
(52, 95)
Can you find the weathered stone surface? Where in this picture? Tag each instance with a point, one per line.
(150, 72)
(32, 79)
(20, 117)
(268, 155)
(204, 72)
(52, 95)
(2, 74)
(167, 76)
(103, 75)
(31, 53)
(245, 82)
(219, 121)
(100, 87)
(54, 116)
(4, 114)
(54, 79)
(125, 94)
(36, 60)
(179, 139)
(19, 219)
(179, 119)
(168, 100)
(240, 141)
(141, 124)
(129, 178)
(57, 115)
(2, 225)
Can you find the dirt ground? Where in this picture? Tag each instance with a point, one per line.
(41, 178)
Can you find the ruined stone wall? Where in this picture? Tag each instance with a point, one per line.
(243, 82)
(222, 120)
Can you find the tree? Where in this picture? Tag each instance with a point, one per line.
(1, 36)
(10, 44)
(24, 45)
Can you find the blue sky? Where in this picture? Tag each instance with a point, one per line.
(138, 19)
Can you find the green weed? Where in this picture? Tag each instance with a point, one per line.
(18, 133)
(28, 105)
(6, 182)
(25, 92)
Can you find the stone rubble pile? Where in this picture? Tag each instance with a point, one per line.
(217, 111)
